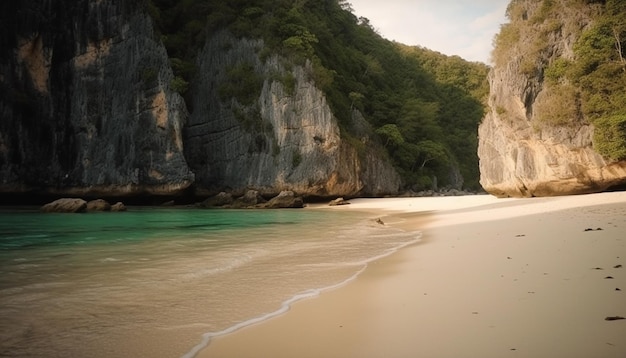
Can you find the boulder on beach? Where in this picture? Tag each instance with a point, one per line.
(338, 201)
(65, 205)
(98, 205)
(221, 199)
(251, 199)
(119, 206)
(286, 199)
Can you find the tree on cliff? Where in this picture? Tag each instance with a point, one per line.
(586, 84)
(407, 94)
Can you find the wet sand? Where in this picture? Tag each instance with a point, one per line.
(490, 278)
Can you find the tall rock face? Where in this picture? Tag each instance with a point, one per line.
(86, 102)
(538, 137)
(88, 108)
(263, 124)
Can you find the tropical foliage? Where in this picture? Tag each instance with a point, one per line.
(584, 85)
(424, 107)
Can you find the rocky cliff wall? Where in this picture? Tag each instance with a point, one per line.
(86, 103)
(88, 109)
(523, 149)
(278, 133)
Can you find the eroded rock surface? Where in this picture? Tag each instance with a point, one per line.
(525, 148)
(66, 205)
(279, 135)
(87, 109)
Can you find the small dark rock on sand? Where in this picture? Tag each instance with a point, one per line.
(614, 318)
(617, 266)
(608, 278)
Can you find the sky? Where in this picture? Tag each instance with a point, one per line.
(453, 27)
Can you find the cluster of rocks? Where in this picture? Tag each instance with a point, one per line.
(77, 205)
(442, 192)
(252, 199)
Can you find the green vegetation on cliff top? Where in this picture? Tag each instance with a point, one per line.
(424, 107)
(584, 85)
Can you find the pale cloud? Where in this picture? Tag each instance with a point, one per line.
(454, 27)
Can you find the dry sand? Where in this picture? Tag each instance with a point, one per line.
(490, 278)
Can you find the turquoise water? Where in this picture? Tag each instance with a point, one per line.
(161, 282)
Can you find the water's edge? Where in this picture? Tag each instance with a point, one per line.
(286, 305)
(164, 282)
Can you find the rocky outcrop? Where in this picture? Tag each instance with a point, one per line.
(338, 201)
(285, 200)
(86, 102)
(77, 205)
(221, 199)
(520, 162)
(524, 150)
(89, 110)
(118, 207)
(250, 199)
(98, 205)
(278, 134)
(66, 205)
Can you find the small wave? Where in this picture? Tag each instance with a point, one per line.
(11, 291)
(27, 266)
(44, 285)
(286, 305)
(13, 236)
(230, 264)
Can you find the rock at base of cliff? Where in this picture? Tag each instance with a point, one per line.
(117, 207)
(284, 200)
(66, 205)
(251, 199)
(98, 205)
(221, 199)
(338, 201)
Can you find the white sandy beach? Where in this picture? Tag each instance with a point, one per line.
(490, 278)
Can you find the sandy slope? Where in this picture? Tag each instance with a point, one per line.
(490, 278)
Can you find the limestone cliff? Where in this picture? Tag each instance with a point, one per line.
(274, 131)
(86, 102)
(89, 107)
(539, 137)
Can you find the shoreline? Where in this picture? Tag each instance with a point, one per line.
(490, 278)
(311, 293)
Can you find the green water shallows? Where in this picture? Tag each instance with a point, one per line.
(159, 282)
